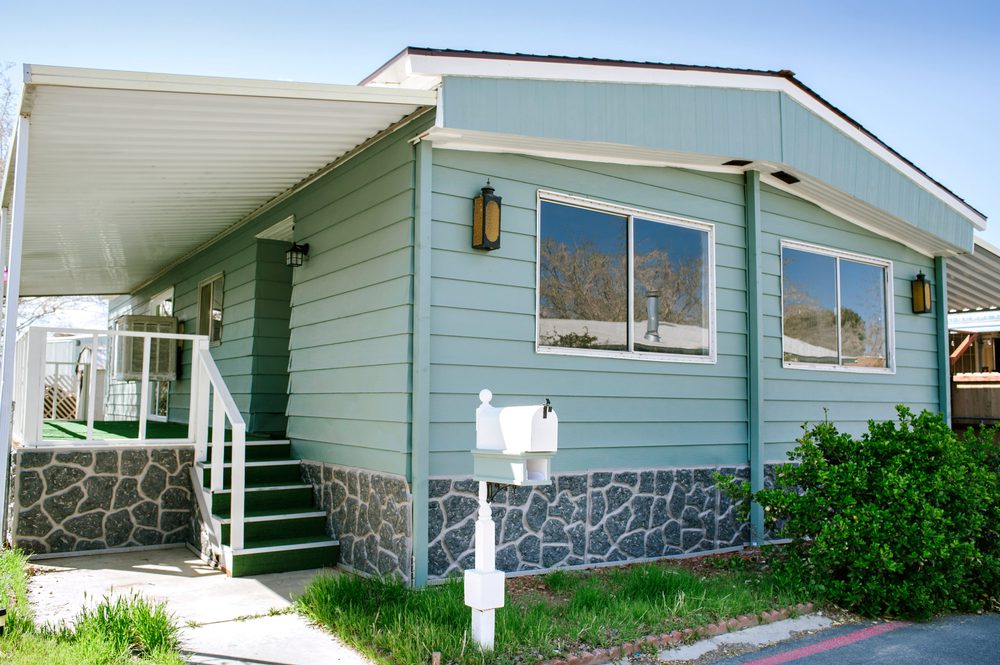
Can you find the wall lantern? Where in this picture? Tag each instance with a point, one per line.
(486, 220)
(296, 255)
(921, 294)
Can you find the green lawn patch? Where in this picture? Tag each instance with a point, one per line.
(112, 430)
(545, 616)
(126, 630)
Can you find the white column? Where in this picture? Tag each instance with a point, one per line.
(10, 308)
(484, 591)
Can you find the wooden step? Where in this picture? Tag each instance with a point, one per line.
(283, 554)
(276, 449)
(275, 496)
(276, 524)
(258, 472)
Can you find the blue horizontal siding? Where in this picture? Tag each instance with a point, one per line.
(628, 413)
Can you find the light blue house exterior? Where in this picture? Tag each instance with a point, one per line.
(371, 355)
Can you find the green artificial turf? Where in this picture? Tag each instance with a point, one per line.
(68, 430)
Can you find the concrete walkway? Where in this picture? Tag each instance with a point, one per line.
(223, 620)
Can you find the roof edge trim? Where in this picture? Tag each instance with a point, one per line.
(47, 75)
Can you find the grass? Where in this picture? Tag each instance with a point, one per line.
(125, 630)
(110, 430)
(545, 616)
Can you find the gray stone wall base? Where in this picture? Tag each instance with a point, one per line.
(370, 513)
(74, 499)
(587, 518)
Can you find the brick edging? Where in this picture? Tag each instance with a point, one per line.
(678, 637)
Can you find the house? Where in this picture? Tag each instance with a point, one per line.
(692, 262)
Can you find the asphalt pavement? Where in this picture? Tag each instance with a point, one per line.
(952, 640)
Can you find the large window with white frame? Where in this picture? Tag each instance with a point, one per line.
(618, 281)
(836, 309)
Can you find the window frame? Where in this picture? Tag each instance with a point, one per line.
(630, 213)
(890, 310)
(218, 277)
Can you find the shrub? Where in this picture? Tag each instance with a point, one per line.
(903, 522)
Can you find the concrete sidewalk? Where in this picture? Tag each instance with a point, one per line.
(223, 620)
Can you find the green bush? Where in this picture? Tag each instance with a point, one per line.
(903, 522)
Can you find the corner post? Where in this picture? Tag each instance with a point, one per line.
(421, 360)
(755, 381)
(944, 361)
(20, 163)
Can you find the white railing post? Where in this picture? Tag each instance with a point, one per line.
(20, 385)
(91, 387)
(147, 342)
(200, 451)
(35, 385)
(224, 408)
(218, 440)
(201, 411)
(238, 485)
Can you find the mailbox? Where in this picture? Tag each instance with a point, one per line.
(514, 444)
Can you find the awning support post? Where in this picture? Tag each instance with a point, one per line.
(20, 163)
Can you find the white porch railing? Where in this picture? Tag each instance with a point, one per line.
(209, 399)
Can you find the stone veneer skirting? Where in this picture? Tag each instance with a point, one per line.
(369, 512)
(587, 518)
(71, 499)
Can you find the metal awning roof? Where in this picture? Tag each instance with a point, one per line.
(974, 279)
(128, 173)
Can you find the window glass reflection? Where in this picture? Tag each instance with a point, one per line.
(809, 303)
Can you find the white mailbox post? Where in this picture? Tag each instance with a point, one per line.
(514, 446)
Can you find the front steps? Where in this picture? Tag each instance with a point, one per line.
(282, 529)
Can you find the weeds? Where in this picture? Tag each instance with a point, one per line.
(587, 609)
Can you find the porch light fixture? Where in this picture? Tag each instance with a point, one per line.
(296, 255)
(486, 220)
(921, 294)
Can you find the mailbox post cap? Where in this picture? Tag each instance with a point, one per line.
(485, 395)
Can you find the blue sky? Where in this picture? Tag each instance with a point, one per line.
(920, 75)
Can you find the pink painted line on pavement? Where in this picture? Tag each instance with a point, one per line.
(826, 645)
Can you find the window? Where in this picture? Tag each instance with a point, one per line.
(623, 282)
(162, 304)
(836, 309)
(210, 309)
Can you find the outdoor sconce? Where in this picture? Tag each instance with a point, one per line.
(921, 294)
(486, 220)
(296, 255)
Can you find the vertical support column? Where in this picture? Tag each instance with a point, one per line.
(484, 586)
(944, 360)
(755, 381)
(421, 359)
(147, 345)
(33, 401)
(92, 386)
(20, 163)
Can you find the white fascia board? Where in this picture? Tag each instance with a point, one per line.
(419, 68)
(478, 141)
(36, 75)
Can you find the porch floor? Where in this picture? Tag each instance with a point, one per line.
(69, 430)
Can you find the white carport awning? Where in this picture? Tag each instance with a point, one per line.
(128, 173)
(974, 279)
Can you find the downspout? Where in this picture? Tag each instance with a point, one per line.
(944, 360)
(420, 360)
(755, 385)
(10, 311)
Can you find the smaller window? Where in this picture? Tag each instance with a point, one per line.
(210, 309)
(836, 309)
(162, 304)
